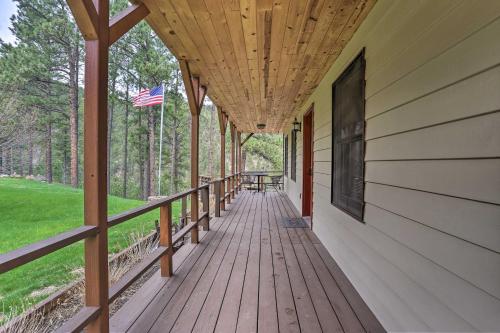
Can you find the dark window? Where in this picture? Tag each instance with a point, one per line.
(293, 169)
(286, 155)
(348, 128)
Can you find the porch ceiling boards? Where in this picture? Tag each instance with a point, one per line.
(259, 58)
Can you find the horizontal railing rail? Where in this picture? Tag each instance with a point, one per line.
(162, 253)
(28, 253)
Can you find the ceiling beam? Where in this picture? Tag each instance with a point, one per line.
(194, 90)
(122, 22)
(86, 17)
(222, 120)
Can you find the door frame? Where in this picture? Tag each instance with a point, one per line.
(308, 162)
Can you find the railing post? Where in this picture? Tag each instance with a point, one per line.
(235, 184)
(166, 239)
(218, 203)
(228, 190)
(205, 206)
(232, 186)
(222, 191)
(183, 211)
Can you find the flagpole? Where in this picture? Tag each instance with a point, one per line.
(161, 138)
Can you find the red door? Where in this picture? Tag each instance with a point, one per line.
(307, 169)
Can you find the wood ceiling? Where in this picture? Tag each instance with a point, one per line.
(260, 59)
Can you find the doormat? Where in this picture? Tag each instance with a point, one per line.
(294, 222)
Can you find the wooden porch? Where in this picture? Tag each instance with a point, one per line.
(249, 274)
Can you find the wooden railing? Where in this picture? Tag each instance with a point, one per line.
(163, 253)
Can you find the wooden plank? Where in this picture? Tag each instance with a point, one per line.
(228, 314)
(123, 319)
(79, 321)
(135, 273)
(134, 212)
(327, 317)
(197, 282)
(346, 314)
(248, 309)
(306, 313)
(208, 315)
(267, 302)
(287, 314)
(189, 270)
(183, 232)
(214, 279)
(122, 22)
(26, 254)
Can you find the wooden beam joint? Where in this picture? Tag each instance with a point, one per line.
(86, 18)
(122, 22)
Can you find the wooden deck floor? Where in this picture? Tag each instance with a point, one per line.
(250, 274)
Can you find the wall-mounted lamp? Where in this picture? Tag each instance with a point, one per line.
(261, 126)
(296, 125)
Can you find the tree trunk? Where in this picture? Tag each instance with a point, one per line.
(111, 110)
(125, 146)
(12, 160)
(4, 160)
(151, 128)
(73, 116)
(30, 153)
(48, 152)
(21, 160)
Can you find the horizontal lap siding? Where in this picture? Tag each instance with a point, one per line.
(428, 256)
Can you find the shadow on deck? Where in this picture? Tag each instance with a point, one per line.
(250, 274)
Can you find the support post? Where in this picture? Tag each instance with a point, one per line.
(195, 94)
(232, 128)
(223, 125)
(92, 19)
(195, 133)
(218, 203)
(95, 169)
(166, 239)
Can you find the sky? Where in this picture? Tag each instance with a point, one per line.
(7, 9)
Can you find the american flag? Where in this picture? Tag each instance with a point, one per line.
(149, 97)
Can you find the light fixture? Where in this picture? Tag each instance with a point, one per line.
(261, 126)
(296, 125)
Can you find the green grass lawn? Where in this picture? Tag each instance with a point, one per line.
(31, 211)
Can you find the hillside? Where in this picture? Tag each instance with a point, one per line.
(31, 211)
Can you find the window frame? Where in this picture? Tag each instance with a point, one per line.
(347, 71)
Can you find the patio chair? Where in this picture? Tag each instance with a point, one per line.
(275, 183)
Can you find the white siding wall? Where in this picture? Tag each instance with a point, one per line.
(427, 257)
